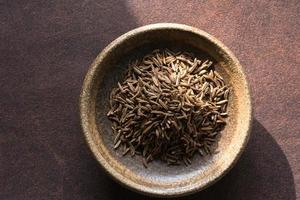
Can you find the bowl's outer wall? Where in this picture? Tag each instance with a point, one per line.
(160, 180)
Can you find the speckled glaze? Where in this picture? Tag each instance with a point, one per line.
(159, 179)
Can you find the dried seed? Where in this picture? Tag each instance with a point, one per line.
(202, 72)
(218, 75)
(146, 130)
(222, 102)
(131, 87)
(162, 104)
(117, 144)
(125, 151)
(129, 101)
(121, 88)
(145, 163)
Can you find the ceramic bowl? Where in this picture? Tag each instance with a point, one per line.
(159, 179)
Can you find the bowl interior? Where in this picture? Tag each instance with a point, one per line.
(158, 178)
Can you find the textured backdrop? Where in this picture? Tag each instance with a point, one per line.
(47, 46)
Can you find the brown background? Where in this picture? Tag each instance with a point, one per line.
(47, 46)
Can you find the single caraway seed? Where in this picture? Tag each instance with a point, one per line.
(170, 106)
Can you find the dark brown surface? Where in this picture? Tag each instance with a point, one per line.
(46, 48)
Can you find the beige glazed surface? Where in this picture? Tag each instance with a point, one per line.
(160, 179)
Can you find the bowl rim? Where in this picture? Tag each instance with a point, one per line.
(85, 95)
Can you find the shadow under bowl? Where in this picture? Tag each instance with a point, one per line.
(159, 179)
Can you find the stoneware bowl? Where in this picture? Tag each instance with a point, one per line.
(159, 179)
